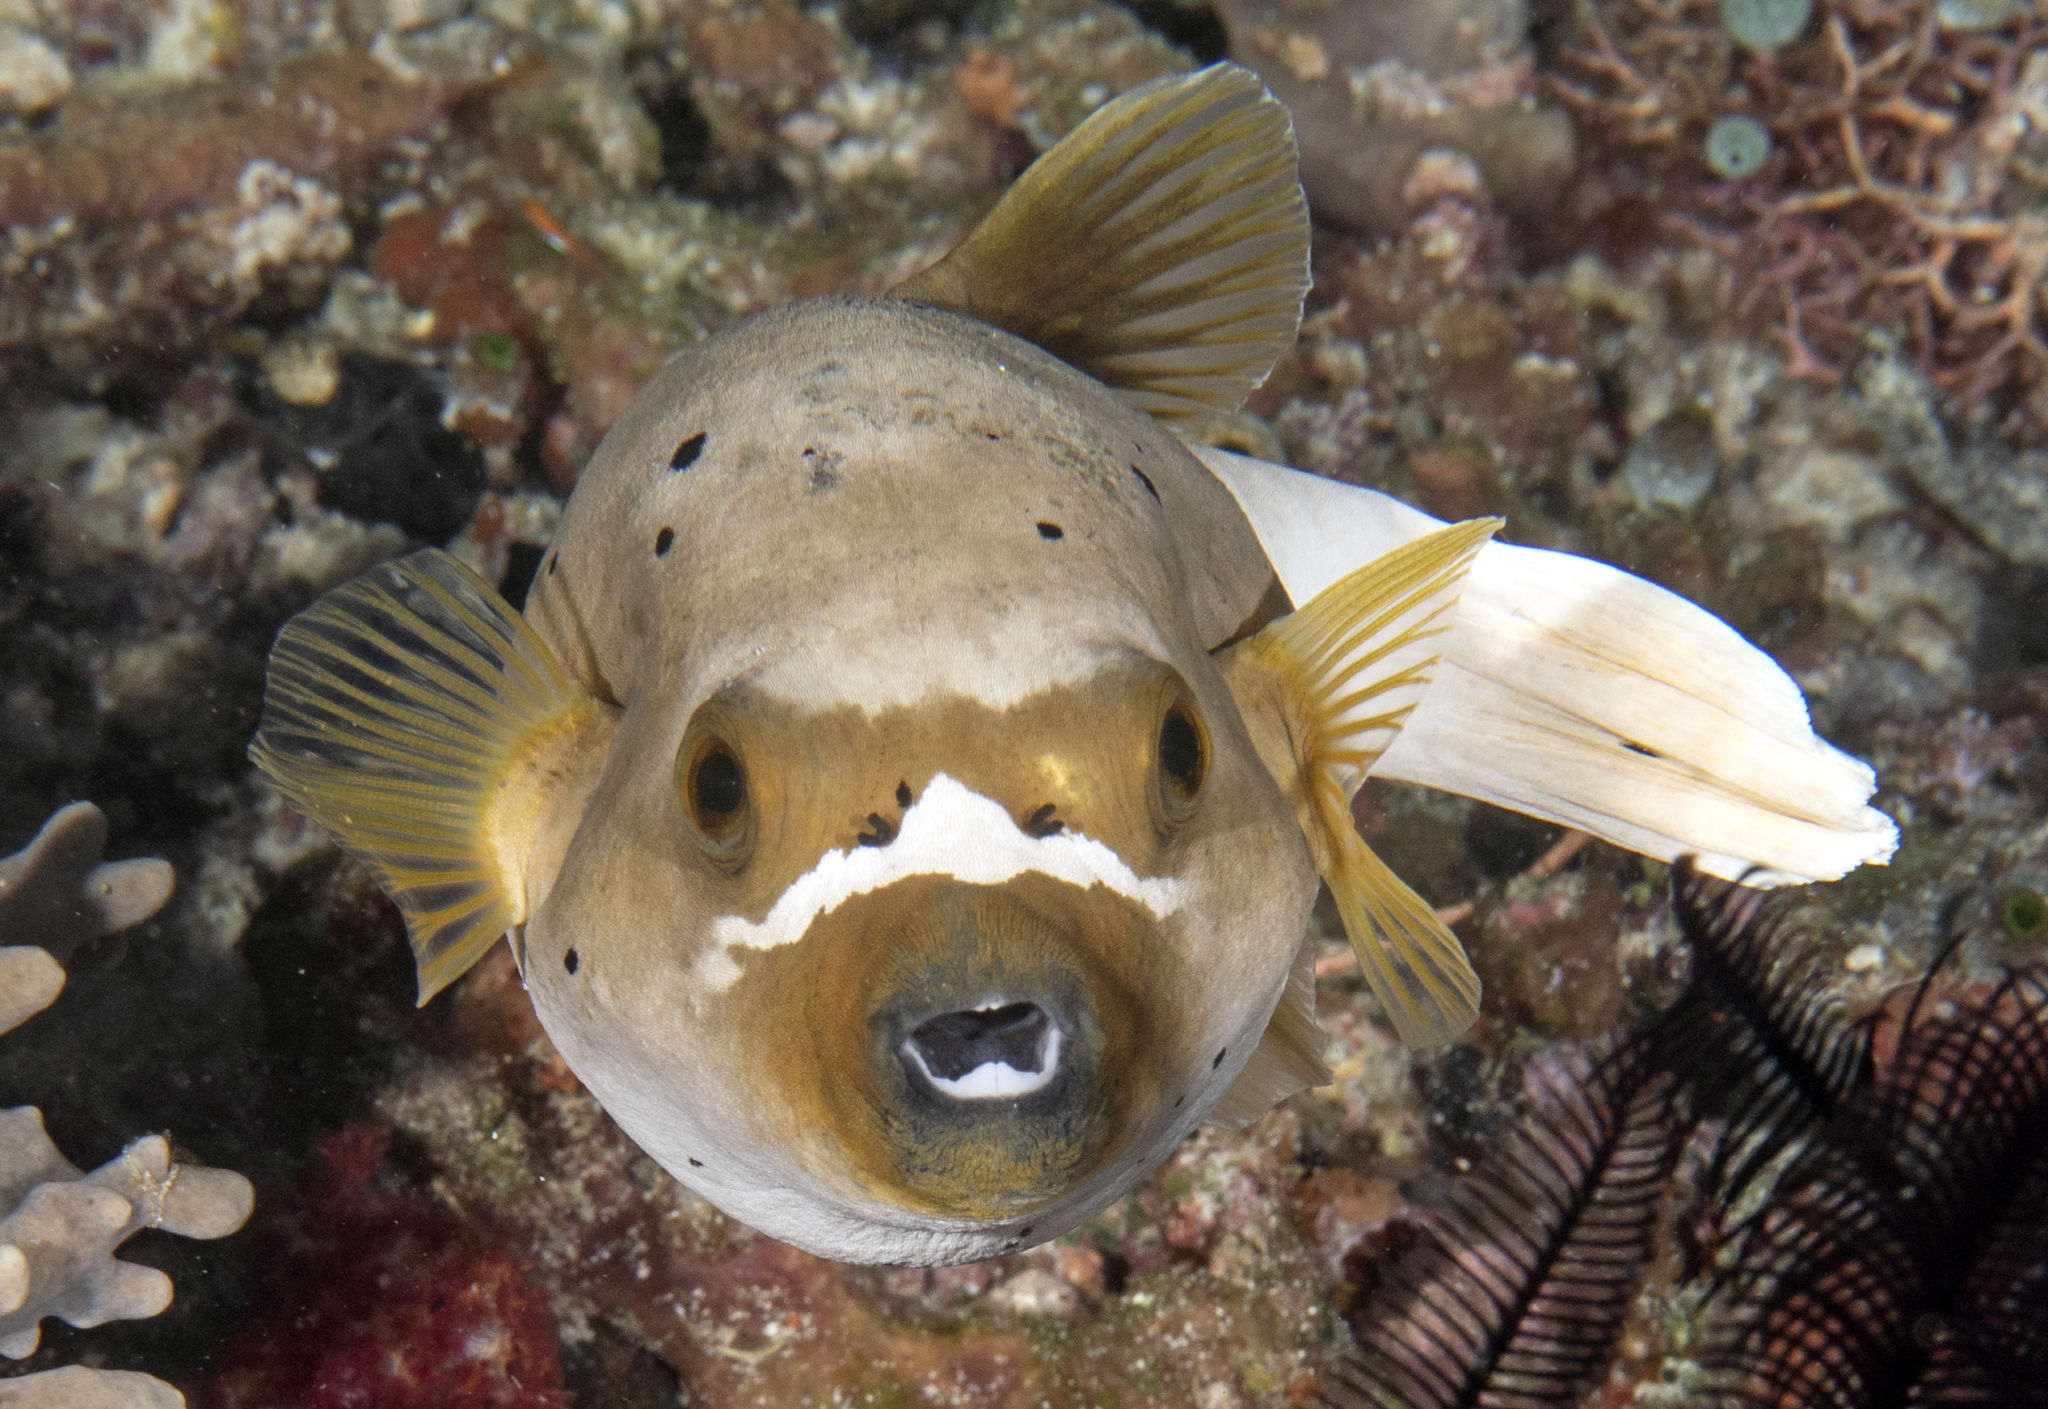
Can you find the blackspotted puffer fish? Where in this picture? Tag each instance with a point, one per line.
(907, 787)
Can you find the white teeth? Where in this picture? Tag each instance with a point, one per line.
(995, 1080)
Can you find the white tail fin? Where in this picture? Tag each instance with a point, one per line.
(1577, 692)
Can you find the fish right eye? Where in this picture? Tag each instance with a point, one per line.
(1183, 750)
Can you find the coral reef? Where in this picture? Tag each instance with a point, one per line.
(1394, 104)
(410, 1307)
(133, 226)
(1902, 191)
(265, 326)
(1836, 1230)
(60, 1226)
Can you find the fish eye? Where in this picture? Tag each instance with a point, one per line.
(1183, 758)
(715, 792)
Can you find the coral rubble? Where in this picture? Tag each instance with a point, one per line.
(1394, 101)
(1902, 191)
(60, 1226)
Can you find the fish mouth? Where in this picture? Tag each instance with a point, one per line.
(997, 1051)
(967, 1051)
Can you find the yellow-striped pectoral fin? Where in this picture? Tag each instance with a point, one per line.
(418, 718)
(1161, 247)
(1413, 963)
(1323, 692)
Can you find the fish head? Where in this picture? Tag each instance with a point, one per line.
(929, 982)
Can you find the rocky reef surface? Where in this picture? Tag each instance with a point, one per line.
(290, 286)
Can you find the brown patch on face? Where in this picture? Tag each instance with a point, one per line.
(868, 973)
(1086, 757)
(819, 1023)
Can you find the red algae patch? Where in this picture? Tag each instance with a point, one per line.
(387, 1301)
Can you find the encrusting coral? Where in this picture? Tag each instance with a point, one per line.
(59, 1226)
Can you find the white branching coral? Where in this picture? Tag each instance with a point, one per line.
(59, 1226)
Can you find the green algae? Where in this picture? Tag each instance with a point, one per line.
(2025, 913)
(1765, 25)
(1737, 147)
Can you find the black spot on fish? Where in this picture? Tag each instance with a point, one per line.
(902, 794)
(687, 453)
(696, 1164)
(881, 831)
(1042, 823)
(1644, 749)
(1050, 530)
(1145, 480)
(1218, 1061)
(572, 961)
(663, 541)
(824, 467)
(1180, 1100)
(992, 435)
(1025, 1231)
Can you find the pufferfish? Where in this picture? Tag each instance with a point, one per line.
(907, 787)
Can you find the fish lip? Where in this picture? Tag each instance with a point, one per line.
(1067, 1073)
(990, 1080)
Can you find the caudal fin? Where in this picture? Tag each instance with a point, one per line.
(1580, 693)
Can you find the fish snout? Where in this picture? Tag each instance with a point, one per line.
(997, 1069)
(985, 1020)
(967, 1050)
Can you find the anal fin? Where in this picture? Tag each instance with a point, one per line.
(1324, 692)
(1289, 1057)
(417, 717)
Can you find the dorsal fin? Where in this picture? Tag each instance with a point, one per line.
(1161, 247)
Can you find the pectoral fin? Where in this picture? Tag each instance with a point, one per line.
(1324, 692)
(417, 717)
(1162, 247)
(1289, 1057)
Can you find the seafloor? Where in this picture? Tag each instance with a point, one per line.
(291, 286)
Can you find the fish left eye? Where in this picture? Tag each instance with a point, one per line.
(718, 789)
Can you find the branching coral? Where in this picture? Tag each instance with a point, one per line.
(59, 1226)
(1904, 189)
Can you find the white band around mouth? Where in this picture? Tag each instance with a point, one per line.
(951, 830)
